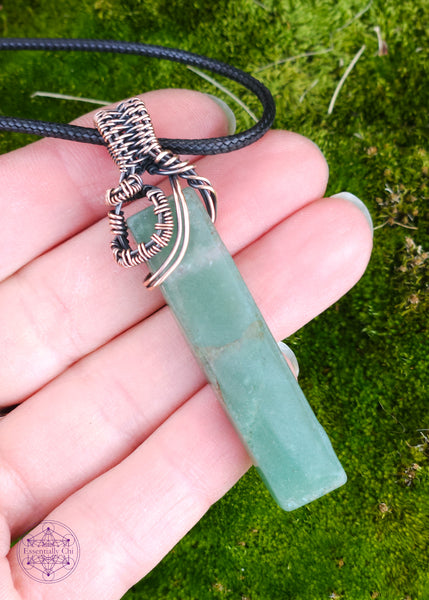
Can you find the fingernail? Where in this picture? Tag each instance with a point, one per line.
(232, 123)
(358, 203)
(290, 357)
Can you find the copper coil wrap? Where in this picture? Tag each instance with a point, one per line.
(127, 190)
(117, 224)
(160, 238)
(128, 132)
(132, 143)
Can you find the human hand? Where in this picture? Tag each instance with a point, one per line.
(115, 421)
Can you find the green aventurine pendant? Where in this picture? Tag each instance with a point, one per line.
(244, 364)
(215, 310)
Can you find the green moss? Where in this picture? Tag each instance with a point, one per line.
(364, 361)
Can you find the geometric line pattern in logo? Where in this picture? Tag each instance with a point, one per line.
(49, 553)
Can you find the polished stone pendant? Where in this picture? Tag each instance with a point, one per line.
(243, 362)
(201, 284)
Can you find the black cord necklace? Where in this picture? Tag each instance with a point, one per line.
(217, 145)
(128, 134)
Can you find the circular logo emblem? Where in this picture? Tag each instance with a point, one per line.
(49, 553)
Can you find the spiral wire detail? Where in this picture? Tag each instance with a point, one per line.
(133, 145)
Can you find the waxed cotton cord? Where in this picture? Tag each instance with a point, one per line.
(215, 145)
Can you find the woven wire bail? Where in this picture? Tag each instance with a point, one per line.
(134, 147)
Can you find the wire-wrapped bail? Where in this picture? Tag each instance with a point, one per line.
(133, 145)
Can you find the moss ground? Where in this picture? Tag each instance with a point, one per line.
(364, 362)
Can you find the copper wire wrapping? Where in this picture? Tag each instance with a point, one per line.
(161, 237)
(132, 143)
(127, 190)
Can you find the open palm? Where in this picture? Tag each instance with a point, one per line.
(115, 419)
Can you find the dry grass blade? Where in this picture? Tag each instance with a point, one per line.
(355, 18)
(226, 91)
(313, 85)
(66, 97)
(281, 61)
(343, 78)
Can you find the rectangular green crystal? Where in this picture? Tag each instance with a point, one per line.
(244, 364)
